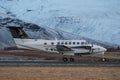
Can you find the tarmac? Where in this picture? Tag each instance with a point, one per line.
(57, 63)
(85, 61)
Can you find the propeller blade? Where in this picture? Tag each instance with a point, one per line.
(91, 49)
(92, 45)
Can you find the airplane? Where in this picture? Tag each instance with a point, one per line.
(64, 47)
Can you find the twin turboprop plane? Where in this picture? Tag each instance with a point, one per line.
(65, 47)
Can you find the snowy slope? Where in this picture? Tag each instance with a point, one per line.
(95, 19)
(33, 30)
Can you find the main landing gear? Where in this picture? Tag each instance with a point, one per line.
(103, 59)
(66, 59)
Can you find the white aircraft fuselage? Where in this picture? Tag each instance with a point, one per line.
(73, 46)
(66, 47)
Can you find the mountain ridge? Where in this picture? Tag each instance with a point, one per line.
(96, 19)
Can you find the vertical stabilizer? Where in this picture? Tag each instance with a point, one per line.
(18, 32)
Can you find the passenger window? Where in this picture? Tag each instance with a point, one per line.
(69, 43)
(51, 49)
(78, 43)
(62, 42)
(45, 43)
(73, 42)
(52, 43)
(58, 43)
(65, 43)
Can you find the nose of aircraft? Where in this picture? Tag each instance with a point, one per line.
(104, 49)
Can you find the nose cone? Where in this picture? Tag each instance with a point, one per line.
(99, 48)
(103, 49)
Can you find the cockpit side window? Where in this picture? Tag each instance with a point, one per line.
(86, 43)
(82, 43)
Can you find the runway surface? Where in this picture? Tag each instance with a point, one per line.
(58, 63)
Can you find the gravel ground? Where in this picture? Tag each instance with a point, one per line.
(59, 73)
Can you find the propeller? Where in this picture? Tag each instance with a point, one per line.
(91, 48)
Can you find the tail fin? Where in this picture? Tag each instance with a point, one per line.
(18, 32)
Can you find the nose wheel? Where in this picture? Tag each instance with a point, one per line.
(103, 57)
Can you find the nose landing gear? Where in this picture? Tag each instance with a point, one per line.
(103, 58)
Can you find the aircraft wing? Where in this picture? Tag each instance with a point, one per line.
(62, 48)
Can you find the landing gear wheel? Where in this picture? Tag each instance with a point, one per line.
(104, 59)
(65, 59)
(71, 59)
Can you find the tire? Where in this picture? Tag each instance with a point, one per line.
(104, 59)
(65, 59)
(71, 59)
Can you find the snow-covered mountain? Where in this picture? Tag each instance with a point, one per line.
(33, 30)
(95, 19)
